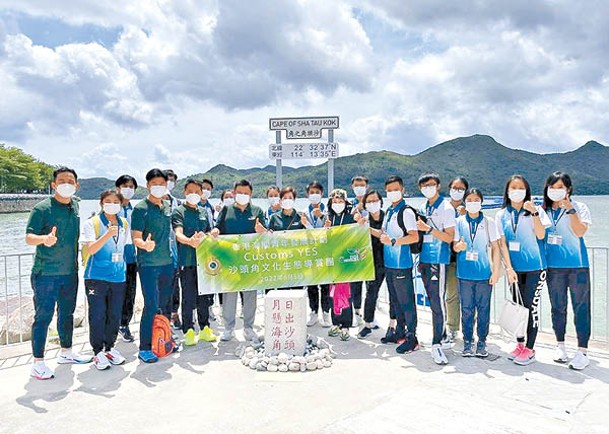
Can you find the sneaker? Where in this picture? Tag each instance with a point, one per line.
(561, 354)
(190, 338)
(327, 318)
(115, 357)
(41, 371)
(207, 335)
(468, 349)
(409, 345)
(227, 335)
(334, 331)
(516, 352)
(250, 335)
(70, 356)
(438, 356)
(147, 356)
(451, 335)
(364, 332)
(344, 335)
(526, 357)
(446, 343)
(212, 316)
(358, 320)
(101, 361)
(374, 325)
(390, 337)
(313, 319)
(481, 350)
(579, 361)
(125, 333)
(175, 321)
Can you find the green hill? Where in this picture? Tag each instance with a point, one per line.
(484, 162)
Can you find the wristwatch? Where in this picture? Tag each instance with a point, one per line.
(535, 214)
(571, 211)
(393, 241)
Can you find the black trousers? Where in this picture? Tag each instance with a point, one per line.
(314, 292)
(191, 300)
(130, 287)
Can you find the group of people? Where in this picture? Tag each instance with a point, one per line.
(461, 251)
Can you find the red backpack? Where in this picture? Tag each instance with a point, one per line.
(162, 339)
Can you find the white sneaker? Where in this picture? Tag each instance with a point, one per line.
(115, 357)
(101, 361)
(212, 315)
(359, 320)
(227, 335)
(327, 320)
(41, 371)
(579, 361)
(250, 335)
(446, 343)
(561, 354)
(70, 356)
(438, 356)
(313, 319)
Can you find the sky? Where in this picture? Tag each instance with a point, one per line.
(121, 87)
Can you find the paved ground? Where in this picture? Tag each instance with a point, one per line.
(369, 389)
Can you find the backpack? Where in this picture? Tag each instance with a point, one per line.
(162, 339)
(418, 246)
(96, 220)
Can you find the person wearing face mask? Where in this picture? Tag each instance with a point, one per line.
(53, 228)
(174, 303)
(151, 232)
(272, 195)
(190, 224)
(359, 184)
(241, 218)
(456, 189)
(478, 267)
(373, 204)
(105, 237)
(208, 187)
(340, 214)
(522, 227)
(288, 219)
(435, 256)
(318, 294)
(126, 185)
(227, 198)
(568, 266)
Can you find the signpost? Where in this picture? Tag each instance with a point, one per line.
(304, 128)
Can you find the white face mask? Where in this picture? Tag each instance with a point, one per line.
(338, 207)
(556, 194)
(66, 190)
(112, 208)
(517, 195)
(193, 198)
(359, 191)
(242, 199)
(128, 192)
(170, 185)
(206, 194)
(158, 191)
(315, 198)
(394, 196)
(429, 191)
(456, 195)
(287, 204)
(473, 207)
(229, 201)
(373, 207)
(273, 201)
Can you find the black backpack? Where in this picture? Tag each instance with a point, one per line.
(418, 246)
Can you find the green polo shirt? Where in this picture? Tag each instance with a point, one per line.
(234, 221)
(62, 258)
(283, 222)
(155, 220)
(191, 220)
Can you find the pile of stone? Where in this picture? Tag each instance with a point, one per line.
(318, 355)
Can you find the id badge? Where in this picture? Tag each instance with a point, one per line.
(514, 246)
(428, 238)
(471, 256)
(555, 239)
(117, 257)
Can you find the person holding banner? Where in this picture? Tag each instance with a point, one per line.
(242, 217)
(359, 184)
(190, 224)
(522, 226)
(340, 214)
(316, 216)
(288, 219)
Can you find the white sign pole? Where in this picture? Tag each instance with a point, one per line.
(278, 175)
(330, 164)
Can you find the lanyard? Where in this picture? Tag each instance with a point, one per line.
(341, 219)
(514, 217)
(312, 216)
(429, 210)
(391, 211)
(473, 227)
(556, 216)
(106, 223)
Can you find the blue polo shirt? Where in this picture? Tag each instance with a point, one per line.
(398, 257)
(440, 216)
(126, 212)
(478, 234)
(564, 249)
